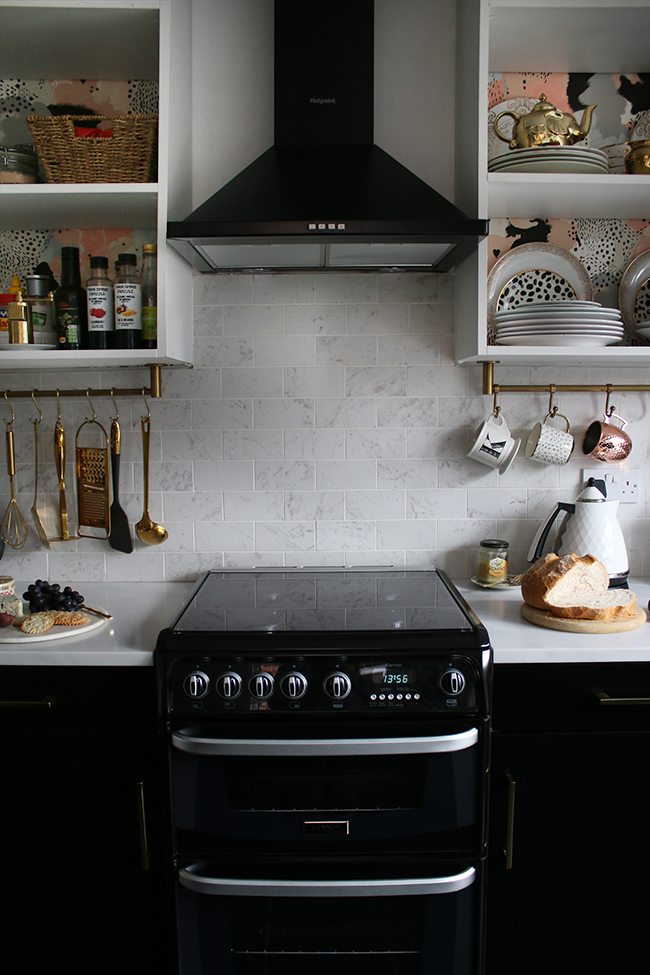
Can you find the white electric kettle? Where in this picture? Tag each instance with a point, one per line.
(590, 527)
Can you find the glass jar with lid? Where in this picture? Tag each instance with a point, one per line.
(18, 164)
(492, 561)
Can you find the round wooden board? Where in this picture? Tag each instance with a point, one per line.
(542, 618)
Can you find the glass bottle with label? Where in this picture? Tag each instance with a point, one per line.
(38, 286)
(101, 305)
(149, 297)
(70, 302)
(128, 303)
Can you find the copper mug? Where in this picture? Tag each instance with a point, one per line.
(605, 441)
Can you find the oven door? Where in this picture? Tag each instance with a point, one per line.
(352, 794)
(406, 917)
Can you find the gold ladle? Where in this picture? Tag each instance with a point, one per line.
(147, 530)
(35, 515)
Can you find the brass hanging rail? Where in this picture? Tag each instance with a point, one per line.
(154, 389)
(490, 387)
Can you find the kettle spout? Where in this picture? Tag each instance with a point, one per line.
(585, 124)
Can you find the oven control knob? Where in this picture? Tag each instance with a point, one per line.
(229, 686)
(337, 685)
(196, 685)
(453, 682)
(294, 685)
(261, 686)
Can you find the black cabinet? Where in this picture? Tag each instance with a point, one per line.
(569, 862)
(81, 820)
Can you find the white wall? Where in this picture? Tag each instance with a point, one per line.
(325, 423)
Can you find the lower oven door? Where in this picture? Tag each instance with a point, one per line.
(406, 917)
(347, 795)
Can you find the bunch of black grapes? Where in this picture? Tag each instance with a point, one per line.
(42, 596)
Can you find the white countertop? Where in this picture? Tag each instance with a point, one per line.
(142, 609)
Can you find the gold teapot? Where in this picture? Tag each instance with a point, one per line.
(545, 125)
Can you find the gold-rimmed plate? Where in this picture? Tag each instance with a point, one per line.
(534, 273)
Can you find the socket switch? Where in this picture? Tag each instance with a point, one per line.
(622, 485)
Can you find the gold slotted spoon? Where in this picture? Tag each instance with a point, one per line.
(35, 515)
(13, 526)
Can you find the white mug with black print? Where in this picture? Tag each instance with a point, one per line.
(494, 445)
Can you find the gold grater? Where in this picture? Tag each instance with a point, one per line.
(93, 492)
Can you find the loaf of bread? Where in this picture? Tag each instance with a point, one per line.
(575, 587)
(563, 576)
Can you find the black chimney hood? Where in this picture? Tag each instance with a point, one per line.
(324, 196)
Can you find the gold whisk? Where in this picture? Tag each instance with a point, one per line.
(13, 526)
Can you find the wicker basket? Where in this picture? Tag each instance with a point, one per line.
(128, 156)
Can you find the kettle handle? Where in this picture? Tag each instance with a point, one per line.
(537, 545)
(497, 131)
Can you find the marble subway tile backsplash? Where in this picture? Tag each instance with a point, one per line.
(325, 423)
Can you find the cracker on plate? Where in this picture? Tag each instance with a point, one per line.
(37, 623)
(64, 618)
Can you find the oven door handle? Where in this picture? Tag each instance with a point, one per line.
(244, 887)
(282, 747)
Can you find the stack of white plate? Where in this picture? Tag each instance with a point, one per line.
(551, 159)
(559, 323)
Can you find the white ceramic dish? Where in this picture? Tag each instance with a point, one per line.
(13, 634)
(544, 266)
(558, 339)
(536, 307)
(632, 298)
(498, 585)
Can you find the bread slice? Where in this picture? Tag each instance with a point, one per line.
(567, 578)
(610, 605)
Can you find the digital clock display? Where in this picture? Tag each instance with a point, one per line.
(392, 678)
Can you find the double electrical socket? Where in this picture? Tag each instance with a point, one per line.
(622, 485)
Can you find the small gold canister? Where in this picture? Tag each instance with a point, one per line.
(637, 161)
(19, 321)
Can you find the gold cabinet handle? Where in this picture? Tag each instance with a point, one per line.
(47, 702)
(142, 822)
(606, 699)
(510, 826)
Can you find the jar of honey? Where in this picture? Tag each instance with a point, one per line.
(492, 561)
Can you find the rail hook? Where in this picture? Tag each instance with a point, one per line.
(58, 408)
(148, 416)
(117, 412)
(496, 409)
(90, 404)
(40, 413)
(552, 410)
(9, 423)
(609, 409)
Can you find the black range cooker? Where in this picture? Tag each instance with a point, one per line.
(326, 735)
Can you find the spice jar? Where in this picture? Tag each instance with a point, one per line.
(492, 561)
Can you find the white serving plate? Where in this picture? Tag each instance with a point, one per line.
(13, 634)
(635, 278)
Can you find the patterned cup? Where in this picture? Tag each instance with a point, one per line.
(548, 445)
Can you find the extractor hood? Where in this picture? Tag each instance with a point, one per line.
(324, 196)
